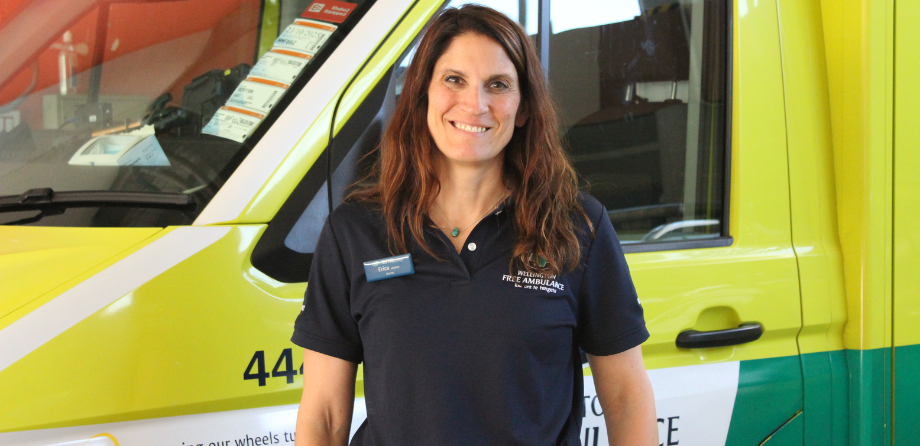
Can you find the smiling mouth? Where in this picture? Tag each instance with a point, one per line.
(469, 128)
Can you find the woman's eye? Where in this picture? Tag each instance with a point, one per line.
(452, 79)
(500, 85)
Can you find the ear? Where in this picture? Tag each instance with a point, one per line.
(521, 116)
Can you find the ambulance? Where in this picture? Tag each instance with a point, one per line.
(166, 165)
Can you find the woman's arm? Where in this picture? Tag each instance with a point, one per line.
(324, 418)
(626, 397)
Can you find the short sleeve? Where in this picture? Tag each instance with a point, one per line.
(325, 324)
(610, 317)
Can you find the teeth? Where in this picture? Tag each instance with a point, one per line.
(470, 128)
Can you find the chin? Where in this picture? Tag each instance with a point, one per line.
(473, 158)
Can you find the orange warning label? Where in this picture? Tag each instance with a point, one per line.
(268, 82)
(312, 24)
(291, 53)
(243, 112)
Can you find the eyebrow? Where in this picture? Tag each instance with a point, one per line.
(493, 77)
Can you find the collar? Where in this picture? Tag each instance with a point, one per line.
(504, 204)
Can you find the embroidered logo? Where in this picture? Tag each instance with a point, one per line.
(534, 281)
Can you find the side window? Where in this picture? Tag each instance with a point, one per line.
(642, 92)
(285, 250)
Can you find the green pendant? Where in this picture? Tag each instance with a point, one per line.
(455, 232)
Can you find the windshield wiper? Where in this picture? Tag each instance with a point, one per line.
(50, 202)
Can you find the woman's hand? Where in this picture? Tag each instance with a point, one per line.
(324, 418)
(626, 397)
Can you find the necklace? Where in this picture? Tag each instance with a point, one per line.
(456, 231)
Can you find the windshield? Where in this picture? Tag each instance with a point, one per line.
(147, 96)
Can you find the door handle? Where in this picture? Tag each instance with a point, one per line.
(746, 332)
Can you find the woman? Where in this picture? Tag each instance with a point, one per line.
(468, 277)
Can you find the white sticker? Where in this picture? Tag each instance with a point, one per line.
(233, 123)
(281, 65)
(257, 94)
(262, 426)
(131, 149)
(694, 405)
(147, 152)
(305, 35)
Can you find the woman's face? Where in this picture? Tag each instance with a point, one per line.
(473, 101)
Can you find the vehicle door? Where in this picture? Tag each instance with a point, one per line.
(674, 118)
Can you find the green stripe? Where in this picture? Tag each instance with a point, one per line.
(870, 396)
(769, 394)
(848, 396)
(790, 433)
(907, 394)
(826, 416)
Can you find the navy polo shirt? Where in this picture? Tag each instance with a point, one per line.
(465, 351)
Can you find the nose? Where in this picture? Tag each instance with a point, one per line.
(475, 100)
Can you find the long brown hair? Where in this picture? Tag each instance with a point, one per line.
(543, 183)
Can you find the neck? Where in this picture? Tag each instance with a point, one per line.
(467, 191)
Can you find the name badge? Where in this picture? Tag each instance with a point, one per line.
(389, 267)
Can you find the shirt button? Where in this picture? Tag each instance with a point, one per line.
(471, 246)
